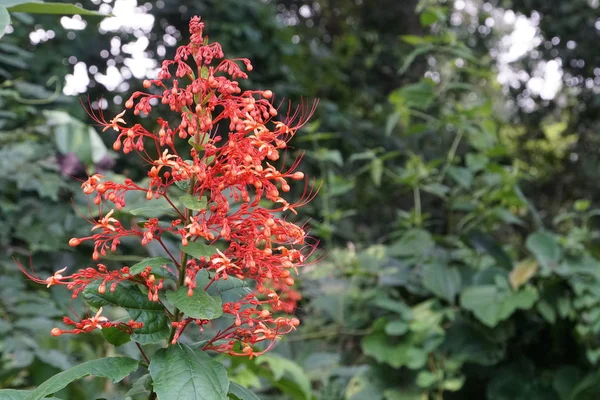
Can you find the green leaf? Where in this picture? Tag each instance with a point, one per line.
(545, 249)
(230, 290)
(432, 15)
(115, 336)
(417, 95)
(129, 297)
(113, 368)
(484, 241)
(153, 211)
(281, 367)
(4, 20)
(199, 249)
(462, 176)
(192, 202)
(406, 353)
(414, 242)
(200, 305)
(238, 392)
(491, 304)
(73, 136)
(442, 280)
(181, 373)
(12, 394)
(141, 386)
(157, 264)
(396, 328)
(10, 3)
(52, 8)
(376, 169)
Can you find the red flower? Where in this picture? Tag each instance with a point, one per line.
(223, 168)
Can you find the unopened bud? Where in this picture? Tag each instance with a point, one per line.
(298, 175)
(74, 242)
(56, 332)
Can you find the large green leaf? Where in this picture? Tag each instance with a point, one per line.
(545, 249)
(138, 306)
(115, 336)
(238, 392)
(157, 264)
(181, 373)
(283, 368)
(33, 7)
(491, 304)
(12, 394)
(113, 368)
(73, 136)
(199, 249)
(414, 242)
(199, 305)
(442, 280)
(403, 353)
(484, 241)
(4, 20)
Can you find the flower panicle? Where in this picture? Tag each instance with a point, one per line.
(236, 170)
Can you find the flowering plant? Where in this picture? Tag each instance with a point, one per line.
(237, 253)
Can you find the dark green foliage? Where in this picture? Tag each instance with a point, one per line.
(461, 240)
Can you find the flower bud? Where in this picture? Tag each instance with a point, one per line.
(56, 332)
(74, 242)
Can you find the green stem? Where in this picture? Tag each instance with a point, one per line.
(451, 154)
(184, 255)
(417, 196)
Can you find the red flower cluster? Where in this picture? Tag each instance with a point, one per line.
(224, 167)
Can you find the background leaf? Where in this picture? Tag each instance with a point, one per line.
(113, 368)
(178, 372)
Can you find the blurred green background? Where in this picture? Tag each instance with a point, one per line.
(457, 151)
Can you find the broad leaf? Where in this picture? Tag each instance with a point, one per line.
(442, 280)
(415, 242)
(404, 353)
(483, 241)
(282, 367)
(192, 202)
(52, 8)
(545, 249)
(4, 20)
(157, 264)
(138, 306)
(12, 394)
(113, 368)
(115, 336)
(199, 249)
(230, 290)
(238, 392)
(200, 305)
(180, 373)
(491, 304)
(73, 136)
(462, 176)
